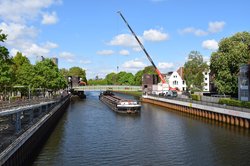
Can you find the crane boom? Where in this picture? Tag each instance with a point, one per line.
(142, 47)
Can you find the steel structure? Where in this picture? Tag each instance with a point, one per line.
(143, 48)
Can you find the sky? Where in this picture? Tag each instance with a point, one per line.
(91, 35)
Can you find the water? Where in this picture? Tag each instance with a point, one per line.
(91, 134)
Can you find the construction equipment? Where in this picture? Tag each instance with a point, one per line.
(142, 47)
(164, 86)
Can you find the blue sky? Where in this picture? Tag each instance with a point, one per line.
(90, 34)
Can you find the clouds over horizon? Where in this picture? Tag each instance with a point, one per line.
(133, 65)
(213, 27)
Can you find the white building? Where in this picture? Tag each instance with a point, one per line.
(176, 81)
(206, 74)
(206, 87)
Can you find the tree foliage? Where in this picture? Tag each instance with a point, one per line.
(232, 53)
(6, 72)
(47, 76)
(123, 78)
(193, 69)
(23, 69)
(79, 72)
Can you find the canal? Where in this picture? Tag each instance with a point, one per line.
(90, 133)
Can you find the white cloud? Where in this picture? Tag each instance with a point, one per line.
(137, 49)
(49, 18)
(50, 45)
(105, 52)
(165, 65)
(217, 26)
(16, 16)
(85, 62)
(124, 52)
(126, 40)
(22, 10)
(13, 51)
(67, 56)
(35, 50)
(133, 64)
(155, 35)
(17, 31)
(196, 32)
(213, 27)
(210, 45)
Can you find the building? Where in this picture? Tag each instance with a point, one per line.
(206, 87)
(243, 83)
(176, 81)
(55, 60)
(148, 80)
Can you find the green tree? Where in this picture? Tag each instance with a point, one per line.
(78, 72)
(24, 72)
(6, 72)
(97, 82)
(138, 78)
(111, 78)
(47, 76)
(193, 69)
(232, 53)
(64, 72)
(124, 78)
(140, 73)
(149, 70)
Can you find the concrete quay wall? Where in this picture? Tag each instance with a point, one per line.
(23, 149)
(233, 117)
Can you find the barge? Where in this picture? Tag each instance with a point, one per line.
(120, 105)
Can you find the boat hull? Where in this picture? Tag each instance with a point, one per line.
(120, 108)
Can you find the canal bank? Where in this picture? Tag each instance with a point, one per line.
(24, 148)
(225, 115)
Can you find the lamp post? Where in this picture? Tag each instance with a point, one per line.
(29, 91)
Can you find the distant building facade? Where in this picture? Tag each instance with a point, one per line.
(176, 80)
(148, 80)
(55, 60)
(243, 83)
(206, 87)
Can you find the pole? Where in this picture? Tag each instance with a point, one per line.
(29, 91)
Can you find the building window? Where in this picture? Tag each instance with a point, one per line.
(175, 82)
(205, 78)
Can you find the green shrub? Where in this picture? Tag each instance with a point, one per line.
(233, 102)
(195, 97)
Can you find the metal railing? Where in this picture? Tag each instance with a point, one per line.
(108, 87)
(8, 105)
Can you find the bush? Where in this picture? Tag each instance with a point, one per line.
(195, 97)
(233, 102)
